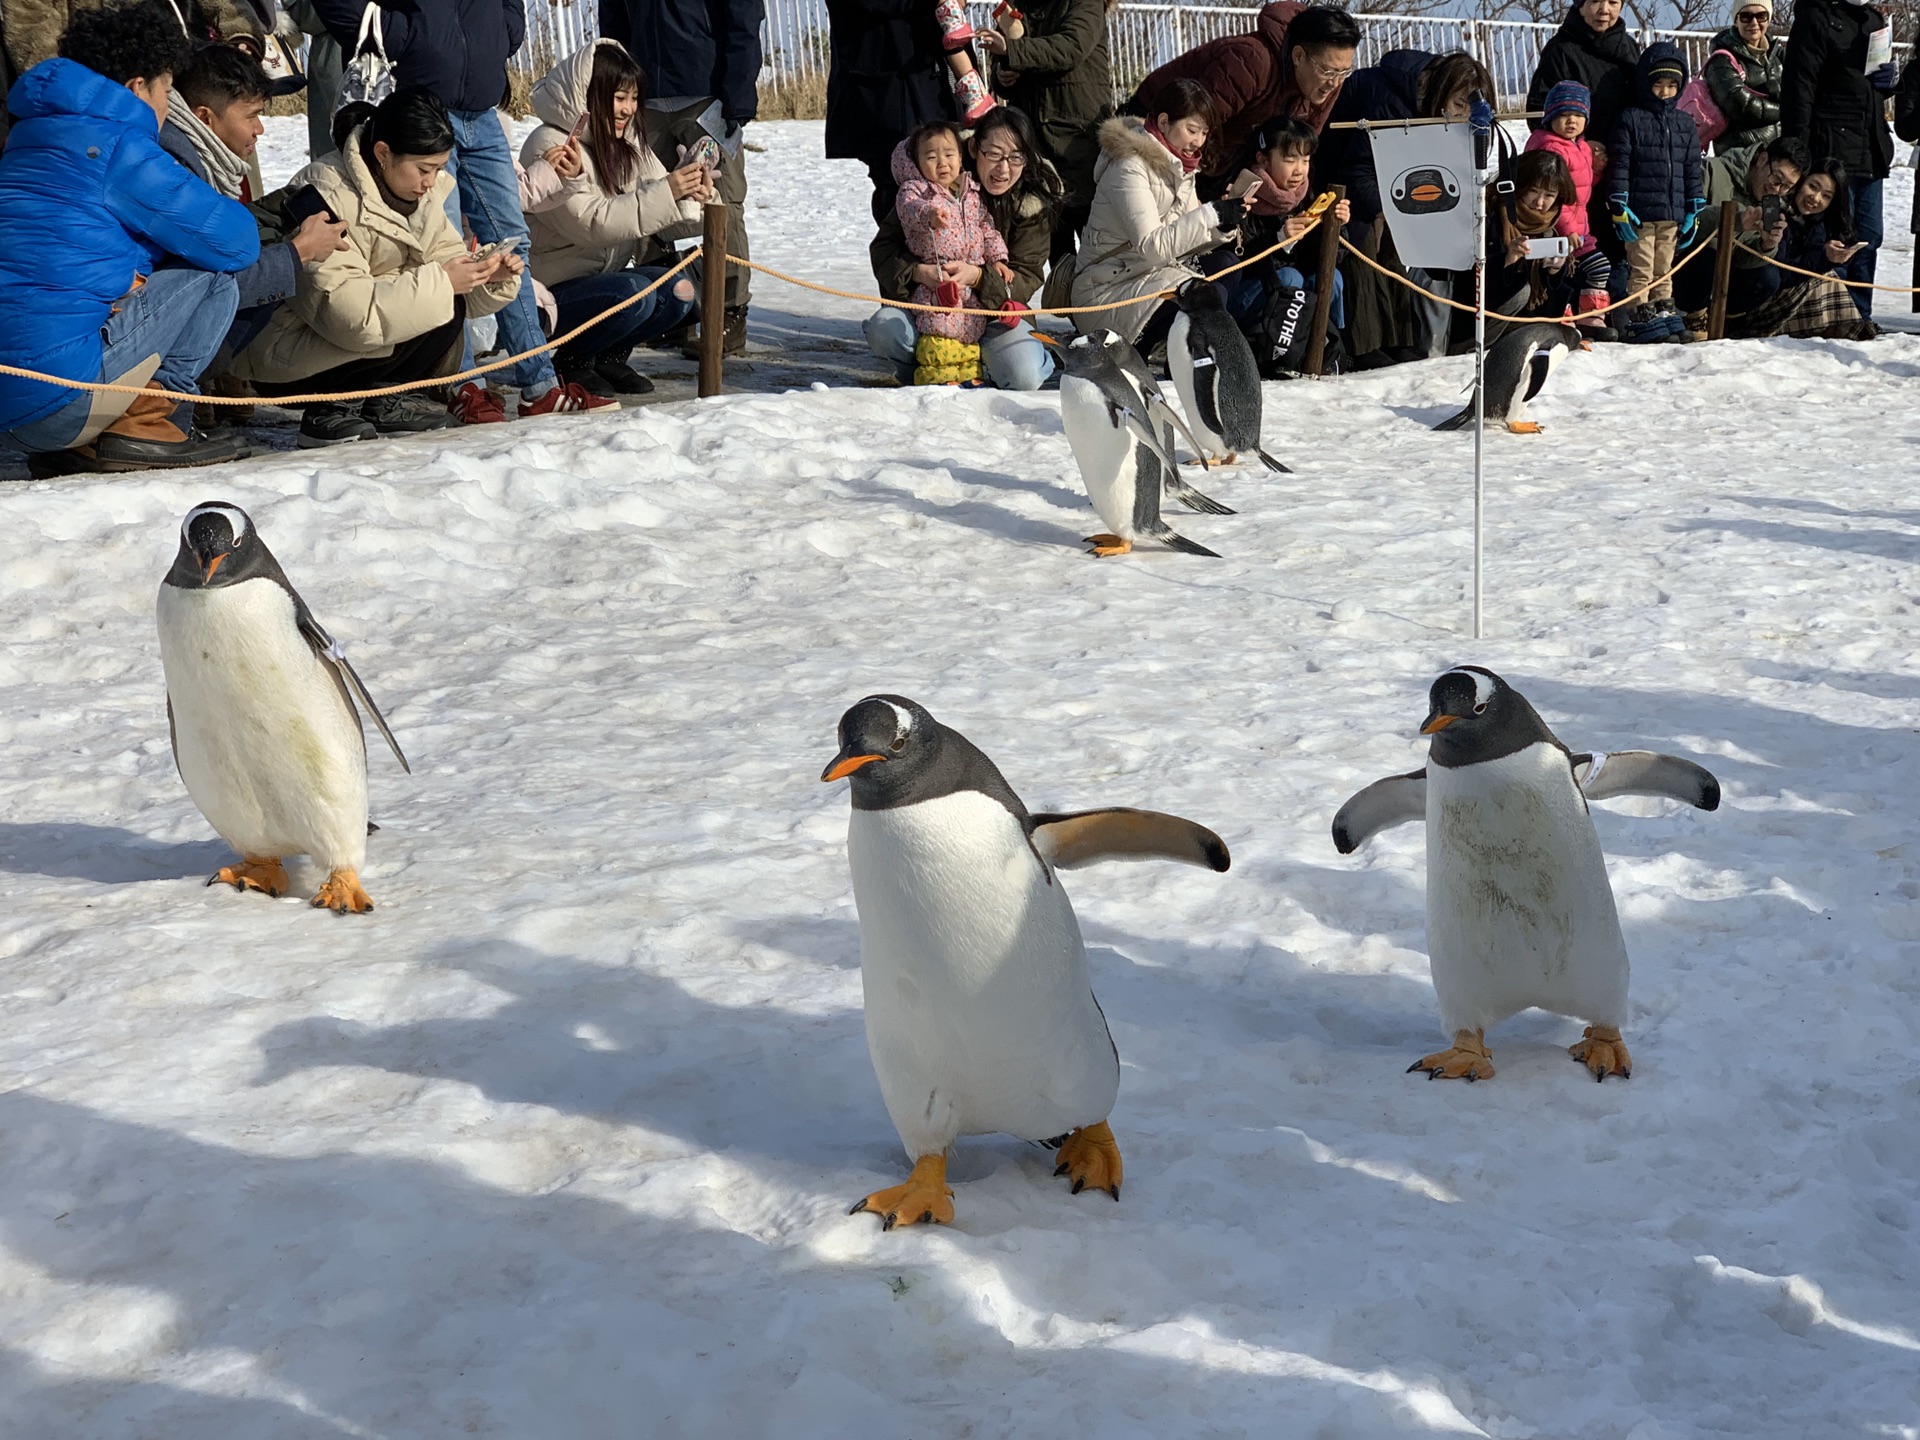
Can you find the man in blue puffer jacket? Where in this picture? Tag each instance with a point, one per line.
(91, 207)
(1655, 196)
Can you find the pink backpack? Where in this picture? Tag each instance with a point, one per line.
(1697, 101)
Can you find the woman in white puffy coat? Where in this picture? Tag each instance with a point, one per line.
(1147, 222)
(583, 246)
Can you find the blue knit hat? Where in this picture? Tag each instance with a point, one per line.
(1569, 97)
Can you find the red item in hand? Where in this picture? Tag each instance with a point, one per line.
(947, 295)
(1012, 312)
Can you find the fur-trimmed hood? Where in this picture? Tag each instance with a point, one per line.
(1125, 137)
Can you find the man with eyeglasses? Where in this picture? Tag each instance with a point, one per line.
(1743, 76)
(1757, 180)
(1290, 67)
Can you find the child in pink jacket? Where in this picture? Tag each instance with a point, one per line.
(1563, 131)
(944, 216)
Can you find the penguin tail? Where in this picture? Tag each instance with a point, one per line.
(1457, 422)
(1194, 500)
(1273, 464)
(1164, 534)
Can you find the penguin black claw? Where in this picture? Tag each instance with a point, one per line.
(857, 1206)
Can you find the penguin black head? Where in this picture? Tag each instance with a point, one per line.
(218, 546)
(1199, 294)
(887, 743)
(1474, 715)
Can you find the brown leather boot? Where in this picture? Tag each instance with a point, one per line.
(146, 438)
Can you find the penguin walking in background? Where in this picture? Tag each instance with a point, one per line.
(1216, 377)
(1519, 909)
(1120, 448)
(1517, 368)
(979, 1005)
(260, 709)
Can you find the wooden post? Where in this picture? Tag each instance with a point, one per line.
(1323, 297)
(1722, 270)
(713, 294)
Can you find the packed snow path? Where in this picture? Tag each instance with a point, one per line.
(559, 1140)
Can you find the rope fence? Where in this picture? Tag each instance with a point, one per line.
(1640, 294)
(1740, 244)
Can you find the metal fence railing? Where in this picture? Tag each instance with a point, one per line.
(1140, 37)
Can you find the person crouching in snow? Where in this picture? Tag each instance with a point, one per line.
(1519, 283)
(944, 217)
(1654, 190)
(1564, 133)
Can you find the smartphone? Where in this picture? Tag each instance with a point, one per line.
(578, 126)
(1551, 247)
(1244, 184)
(487, 252)
(1770, 208)
(704, 151)
(1856, 247)
(304, 202)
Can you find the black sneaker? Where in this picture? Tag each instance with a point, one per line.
(589, 379)
(621, 377)
(405, 415)
(112, 453)
(332, 425)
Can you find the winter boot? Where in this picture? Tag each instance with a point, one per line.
(621, 377)
(951, 17)
(1645, 326)
(1675, 322)
(146, 438)
(1592, 320)
(970, 90)
(733, 339)
(324, 425)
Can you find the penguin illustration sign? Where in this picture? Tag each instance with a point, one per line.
(1427, 201)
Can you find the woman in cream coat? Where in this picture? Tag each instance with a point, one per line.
(583, 247)
(1147, 222)
(387, 307)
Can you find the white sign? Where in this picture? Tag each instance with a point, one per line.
(1426, 190)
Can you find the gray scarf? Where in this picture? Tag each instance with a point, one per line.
(225, 170)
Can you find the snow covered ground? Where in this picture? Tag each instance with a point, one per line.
(559, 1140)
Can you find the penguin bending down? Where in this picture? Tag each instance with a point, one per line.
(980, 1010)
(1519, 910)
(1121, 451)
(260, 709)
(1216, 376)
(1517, 368)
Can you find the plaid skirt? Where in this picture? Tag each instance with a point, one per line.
(1808, 307)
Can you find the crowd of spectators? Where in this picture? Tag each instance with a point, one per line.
(142, 250)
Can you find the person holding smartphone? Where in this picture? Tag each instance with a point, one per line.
(1529, 266)
(1816, 233)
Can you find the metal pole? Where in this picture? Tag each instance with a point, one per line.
(713, 294)
(1323, 297)
(1479, 381)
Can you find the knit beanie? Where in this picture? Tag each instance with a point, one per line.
(1569, 97)
(1669, 69)
(1739, 5)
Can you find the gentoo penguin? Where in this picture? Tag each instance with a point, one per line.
(1519, 911)
(1166, 417)
(260, 708)
(1215, 375)
(1121, 451)
(1517, 366)
(980, 1011)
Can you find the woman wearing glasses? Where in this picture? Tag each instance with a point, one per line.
(1743, 76)
(1023, 196)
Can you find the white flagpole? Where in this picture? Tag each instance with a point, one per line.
(1482, 151)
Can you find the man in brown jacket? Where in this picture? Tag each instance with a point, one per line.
(1292, 66)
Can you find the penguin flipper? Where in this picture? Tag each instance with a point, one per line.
(1643, 772)
(1193, 499)
(1396, 800)
(1273, 464)
(1087, 837)
(1160, 531)
(1158, 407)
(352, 687)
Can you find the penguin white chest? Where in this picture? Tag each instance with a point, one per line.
(1187, 382)
(1104, 451)
(1519, 909)
(979, 1008)
(267, 745)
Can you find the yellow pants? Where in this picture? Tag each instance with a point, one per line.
(940, 361)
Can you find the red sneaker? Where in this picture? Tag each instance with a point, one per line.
(567, 400)
(476, 405)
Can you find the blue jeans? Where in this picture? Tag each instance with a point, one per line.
(1869, 223)
(1014, 360)
(179, 314)
(487, 192)
(582, 299)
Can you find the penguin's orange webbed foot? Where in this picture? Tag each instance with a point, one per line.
(1523, 427)
(1468, 1058)
(342, 895)
(925, 1198)
(1104, 545)
(1091, 1159)
(1604, 1053)
(264, 873)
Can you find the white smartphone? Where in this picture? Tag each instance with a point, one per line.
(1551, 247)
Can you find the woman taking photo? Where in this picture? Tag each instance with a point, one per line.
(1023, 196)
(1820, 237)
(583, 247)
(391, 305)
(1148, 225)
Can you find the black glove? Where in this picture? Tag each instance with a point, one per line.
(1230, 211)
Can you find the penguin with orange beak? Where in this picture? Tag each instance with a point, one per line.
(1519, 909)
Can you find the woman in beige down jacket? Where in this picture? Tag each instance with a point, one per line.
(389, 306)
(583, 247)
(1147, 222)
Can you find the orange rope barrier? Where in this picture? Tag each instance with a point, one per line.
(1740, 244)
(1639, 294)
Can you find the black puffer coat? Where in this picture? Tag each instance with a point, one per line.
(888, 75)
(458, 49)
(1602, 63)
(1389, 90)
(1748, 96)
(1654, 153)
(1824, 95)
(693, 48)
